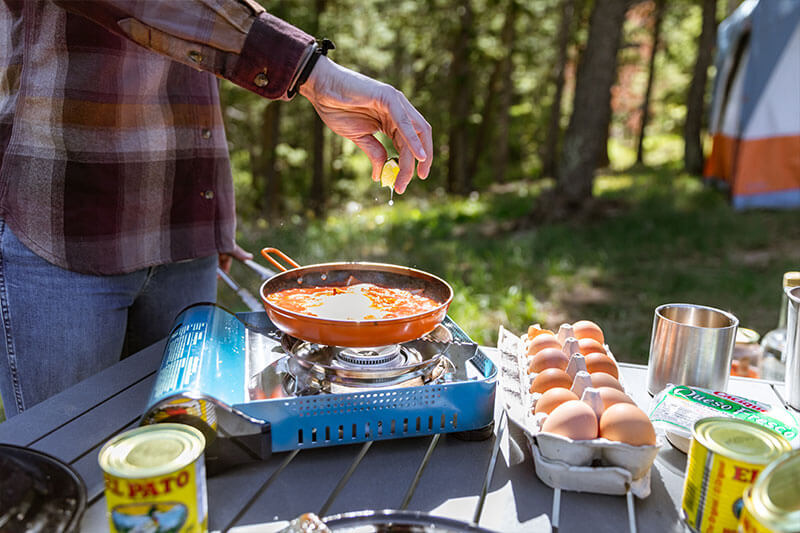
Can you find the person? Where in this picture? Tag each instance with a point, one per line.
(116, 197)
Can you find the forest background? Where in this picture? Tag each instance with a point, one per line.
(569, 139)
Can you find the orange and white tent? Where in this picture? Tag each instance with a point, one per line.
(755, 111)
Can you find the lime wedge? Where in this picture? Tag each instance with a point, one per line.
(389, 173)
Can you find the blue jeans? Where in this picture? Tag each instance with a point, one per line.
(60, 327)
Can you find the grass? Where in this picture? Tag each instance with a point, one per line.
(662, 237)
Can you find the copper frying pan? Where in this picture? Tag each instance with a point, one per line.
(352, 333)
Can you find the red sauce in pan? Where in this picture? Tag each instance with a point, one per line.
(362, 301)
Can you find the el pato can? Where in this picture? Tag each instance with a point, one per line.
(155, 479)
(725, 457)
(772, 504)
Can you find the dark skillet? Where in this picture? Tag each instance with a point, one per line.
(38, 492)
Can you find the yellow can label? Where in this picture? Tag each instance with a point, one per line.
(712, 492)
(749, 523)
(200, 409)
(170, 503)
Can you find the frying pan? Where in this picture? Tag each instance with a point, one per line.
(38, 492)
(353, 333)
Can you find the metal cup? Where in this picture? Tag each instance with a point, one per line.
(691, 345)
(791, 352)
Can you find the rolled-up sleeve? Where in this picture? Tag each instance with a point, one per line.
(234, 39)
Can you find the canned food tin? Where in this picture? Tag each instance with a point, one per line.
(198, 413)
(725, 457)
(772, 504)
(155, 479)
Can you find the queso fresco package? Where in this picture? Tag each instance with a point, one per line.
(678, 407)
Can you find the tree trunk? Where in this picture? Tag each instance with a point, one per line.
(695, 100)
(603, 160)
(590, 118)
(270, 195)
(506, 95)
(461, 96)
(659, 17)
(319, 188)
(554, 122)
(485, 125)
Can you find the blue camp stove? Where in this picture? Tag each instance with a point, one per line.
(253, 390)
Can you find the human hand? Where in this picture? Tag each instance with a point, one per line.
(356, 107)
(225, 260)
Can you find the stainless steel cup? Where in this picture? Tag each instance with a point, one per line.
(691, 345)
(791, 352)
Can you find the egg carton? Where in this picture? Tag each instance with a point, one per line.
(596, 465)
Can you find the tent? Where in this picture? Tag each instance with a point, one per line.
(755, 110)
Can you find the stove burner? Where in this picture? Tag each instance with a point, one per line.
(314, 368)
(369, 357)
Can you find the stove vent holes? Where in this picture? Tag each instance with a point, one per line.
(377, 429)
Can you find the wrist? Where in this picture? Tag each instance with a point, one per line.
(311, 87)
(319, 50)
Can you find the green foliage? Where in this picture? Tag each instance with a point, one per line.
(409, 45)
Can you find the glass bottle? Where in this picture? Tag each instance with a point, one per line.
(773, 342)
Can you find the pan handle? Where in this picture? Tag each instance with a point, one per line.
(266, 253)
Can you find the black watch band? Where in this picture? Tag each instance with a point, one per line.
(322, 48)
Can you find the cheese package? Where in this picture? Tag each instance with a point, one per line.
(675, 410)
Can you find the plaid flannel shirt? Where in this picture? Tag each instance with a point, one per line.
(113, 155)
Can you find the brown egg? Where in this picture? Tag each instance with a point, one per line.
(550, 378)
(611, 396)
(542, 341)
(601, 379)
(624, 422)
(600, 362)
(587, 346)
(535, 330)
(552, 399)
(573, 419)
(586, 329)
(548, 358)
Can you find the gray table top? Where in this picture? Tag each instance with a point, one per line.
(442, 475)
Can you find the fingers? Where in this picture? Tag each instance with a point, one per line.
(406, 169)
(225, 261)
(375, 151)
(416, 133)
(240, 253)
(405, 126)
(425, 133)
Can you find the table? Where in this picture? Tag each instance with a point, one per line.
(491, 481)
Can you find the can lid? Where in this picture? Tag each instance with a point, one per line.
(791, 279)
(740, 440)
(150, 451)
(747, 336)
(775, 495)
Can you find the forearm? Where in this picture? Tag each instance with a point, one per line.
(233, 39)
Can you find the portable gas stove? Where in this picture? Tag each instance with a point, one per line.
(242, 381)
